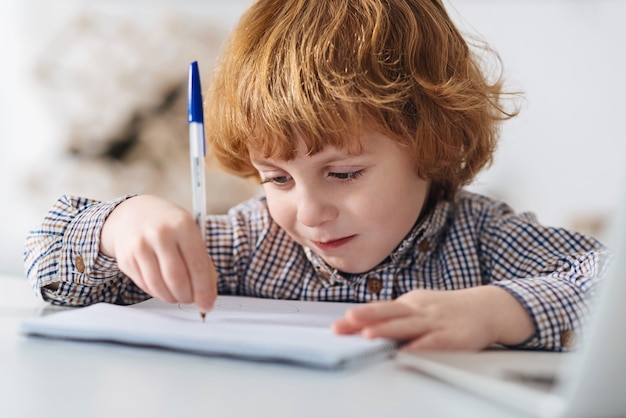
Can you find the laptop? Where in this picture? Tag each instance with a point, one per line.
(590, 382)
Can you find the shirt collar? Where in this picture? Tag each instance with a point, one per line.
(424, 235)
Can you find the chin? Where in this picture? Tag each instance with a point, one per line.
(352, 268)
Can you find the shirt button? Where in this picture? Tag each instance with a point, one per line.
(424, 245)
(374, 285)
(80, 264)
(323, 272)
(569, 339)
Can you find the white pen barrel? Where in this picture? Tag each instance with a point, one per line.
(196, 152)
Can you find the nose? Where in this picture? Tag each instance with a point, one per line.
(315, 207)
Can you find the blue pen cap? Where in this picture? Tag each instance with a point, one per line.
(194, 95)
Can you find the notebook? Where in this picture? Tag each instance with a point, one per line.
(286, 331)
(590, 382)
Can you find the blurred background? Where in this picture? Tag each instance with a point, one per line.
(93, 103)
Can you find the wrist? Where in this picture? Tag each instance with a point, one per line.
(109, 229)
(512, 322)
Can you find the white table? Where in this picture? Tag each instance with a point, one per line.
(48, 378)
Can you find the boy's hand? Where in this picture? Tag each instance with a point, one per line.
(158, 245)
(467, 319)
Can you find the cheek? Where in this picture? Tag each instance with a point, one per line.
(281, 210)
(397, 202)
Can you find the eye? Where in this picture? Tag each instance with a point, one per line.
(347, 176)
(277, 180)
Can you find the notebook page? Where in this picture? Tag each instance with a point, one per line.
(239, 309)
(261, 329)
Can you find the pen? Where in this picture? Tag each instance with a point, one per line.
(197, 150)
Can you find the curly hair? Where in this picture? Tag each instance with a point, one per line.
(324, 68)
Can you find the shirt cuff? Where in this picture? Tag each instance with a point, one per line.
(555, 307)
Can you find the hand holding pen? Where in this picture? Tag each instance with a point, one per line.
(157, 244)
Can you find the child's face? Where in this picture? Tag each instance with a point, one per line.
(352, 210)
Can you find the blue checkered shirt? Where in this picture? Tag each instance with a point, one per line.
(472, 241)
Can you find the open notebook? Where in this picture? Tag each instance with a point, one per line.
(590, 382)
(258, 329)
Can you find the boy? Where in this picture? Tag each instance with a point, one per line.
(363, 120)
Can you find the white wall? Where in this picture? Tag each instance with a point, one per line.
(562, 157)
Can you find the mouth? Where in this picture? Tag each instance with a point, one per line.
(333, 244)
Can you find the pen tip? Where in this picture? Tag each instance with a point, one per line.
(203, 316)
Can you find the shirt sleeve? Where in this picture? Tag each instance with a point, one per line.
(62, 258)
(551, 271)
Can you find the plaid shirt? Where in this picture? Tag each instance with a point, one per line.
(472, 241)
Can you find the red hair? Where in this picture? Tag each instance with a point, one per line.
(322, 68)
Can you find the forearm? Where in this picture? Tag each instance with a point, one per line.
(550, 271)
(558, 308)
(510, 322)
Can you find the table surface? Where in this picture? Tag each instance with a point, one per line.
(50, 378)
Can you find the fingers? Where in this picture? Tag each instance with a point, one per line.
(424, 321)
(201, 273)
(131, 270)
(393, 320)
(144, 271)
(397, 322)
(187, 270)
(173, 266)
(365, 318)
(402, 328)
(175, 275)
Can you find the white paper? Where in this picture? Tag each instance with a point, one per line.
(261, 329)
